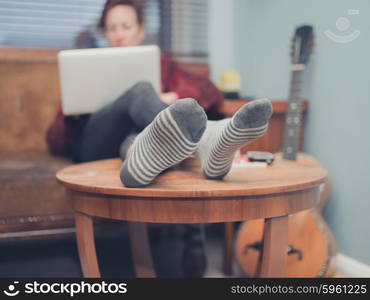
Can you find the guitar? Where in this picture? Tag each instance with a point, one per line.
(311, 245)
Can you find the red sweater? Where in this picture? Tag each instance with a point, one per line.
(174, 79)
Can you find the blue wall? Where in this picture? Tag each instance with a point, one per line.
(221, 36)
(337, 85)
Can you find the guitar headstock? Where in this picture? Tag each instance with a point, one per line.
(302, 44)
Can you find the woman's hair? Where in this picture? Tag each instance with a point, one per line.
(136, 5)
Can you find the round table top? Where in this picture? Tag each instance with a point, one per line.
(102, 177)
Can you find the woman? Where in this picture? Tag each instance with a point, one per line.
(159, 130)
(103, 133)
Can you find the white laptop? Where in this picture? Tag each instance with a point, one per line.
(92, 78)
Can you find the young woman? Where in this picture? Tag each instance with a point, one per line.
(101, 134)
(154, 132)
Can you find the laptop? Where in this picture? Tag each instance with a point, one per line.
(92, 78)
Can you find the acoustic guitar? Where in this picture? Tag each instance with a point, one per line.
(311, 245)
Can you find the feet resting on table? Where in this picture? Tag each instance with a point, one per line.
(182, 130)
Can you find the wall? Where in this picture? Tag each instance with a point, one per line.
(221, 36)
(337, 86)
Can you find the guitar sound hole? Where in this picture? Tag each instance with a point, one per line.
(258, 246)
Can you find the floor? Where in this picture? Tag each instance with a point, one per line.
(58, 257)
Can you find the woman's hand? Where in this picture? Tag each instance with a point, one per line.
(169, 98)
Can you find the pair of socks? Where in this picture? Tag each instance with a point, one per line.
(182, 130)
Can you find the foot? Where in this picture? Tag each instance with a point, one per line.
(171, 137)
(223, 138)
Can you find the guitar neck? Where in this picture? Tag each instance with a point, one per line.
(294, 114)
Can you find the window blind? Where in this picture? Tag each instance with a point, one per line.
(46, 23)
(184, 30)
(179, 27)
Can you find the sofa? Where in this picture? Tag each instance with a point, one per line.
(31, 201)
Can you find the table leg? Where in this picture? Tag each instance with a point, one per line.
(275, 243)
(140, 249)
(86, 245)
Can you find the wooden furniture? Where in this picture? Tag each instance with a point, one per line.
(31, 201)
(184, 196)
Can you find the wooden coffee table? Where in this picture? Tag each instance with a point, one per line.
(184, 196)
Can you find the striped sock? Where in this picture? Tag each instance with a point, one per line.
(171, 137)
(223, 138)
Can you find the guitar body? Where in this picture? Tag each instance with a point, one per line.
(311, 248)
